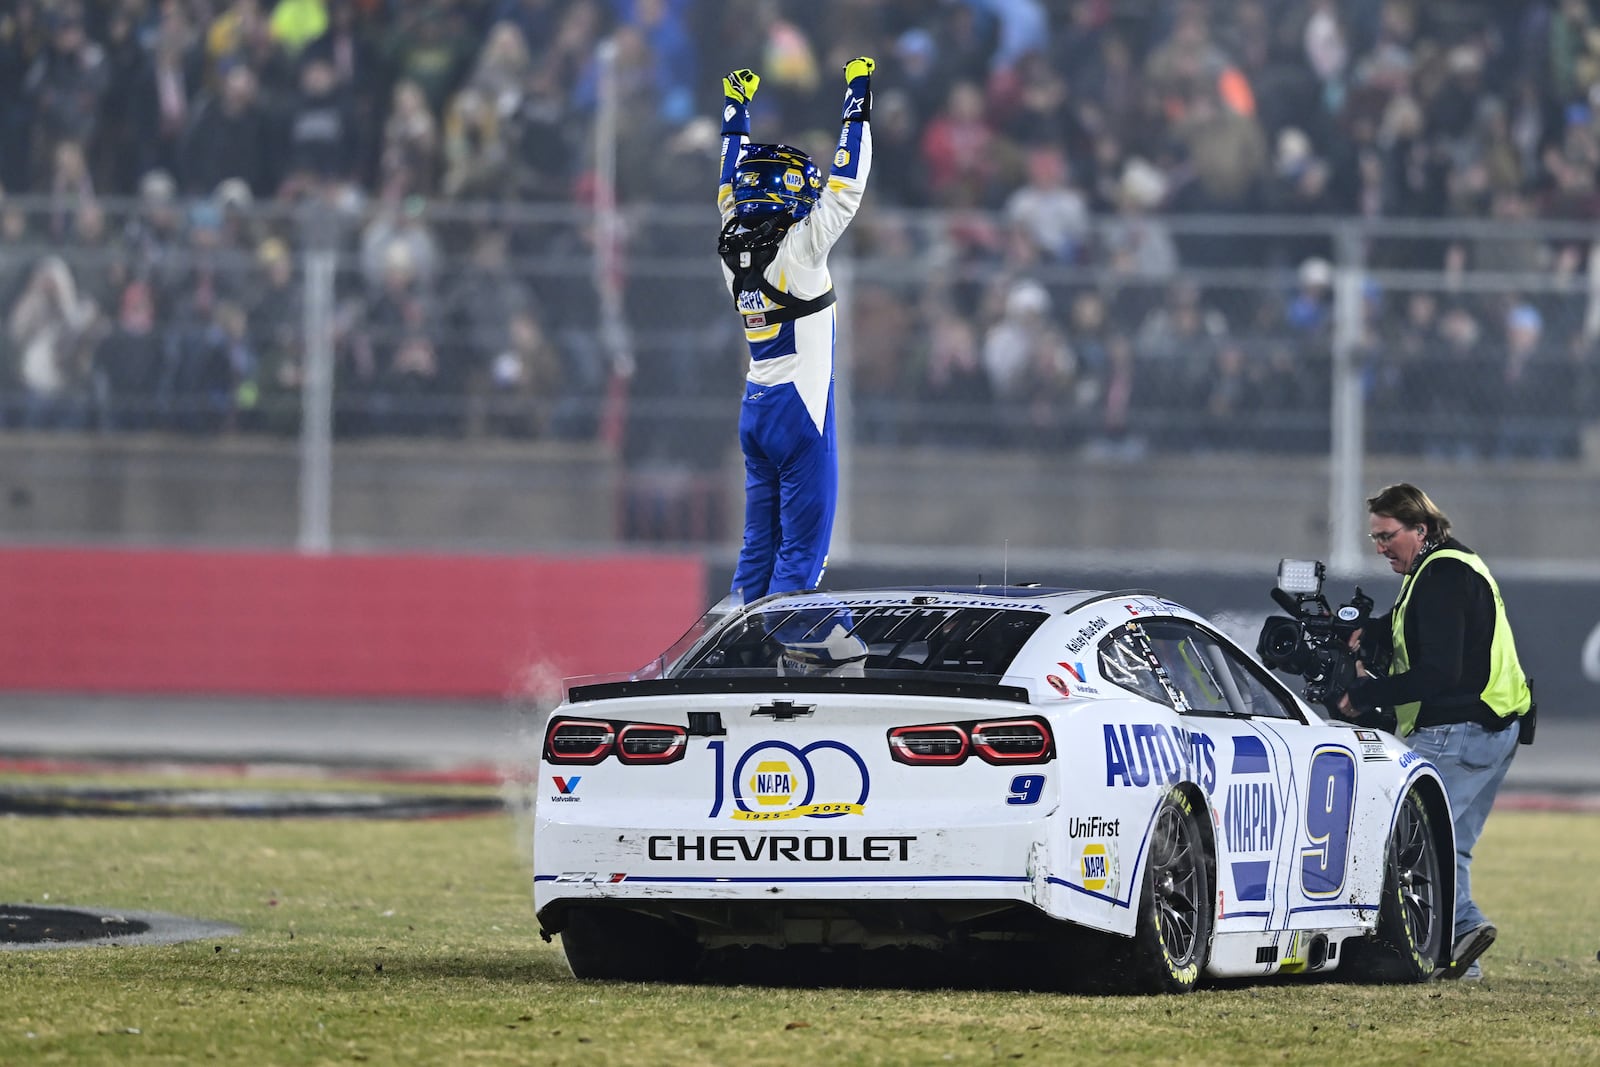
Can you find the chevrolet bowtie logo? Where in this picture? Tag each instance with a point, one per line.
(784, 710)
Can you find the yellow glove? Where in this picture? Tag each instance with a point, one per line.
(859, 67)
(741, 85)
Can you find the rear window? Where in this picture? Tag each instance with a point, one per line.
(944, 641)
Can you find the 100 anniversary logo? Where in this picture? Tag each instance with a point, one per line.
(777, 780)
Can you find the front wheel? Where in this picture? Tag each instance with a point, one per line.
(1173, 937)
(1407, 943)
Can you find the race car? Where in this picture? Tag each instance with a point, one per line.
(1097, 787)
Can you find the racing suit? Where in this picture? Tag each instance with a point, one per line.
(786, 422)
(1458, 691)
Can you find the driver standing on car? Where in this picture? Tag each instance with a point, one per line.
(1459, 693)
(778, 225)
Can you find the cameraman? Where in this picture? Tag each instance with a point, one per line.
(1455, 684)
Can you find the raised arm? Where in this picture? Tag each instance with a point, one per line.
(852, 160)
(737, 89)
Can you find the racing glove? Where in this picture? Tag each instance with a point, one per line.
(738, 86)
(858, 89)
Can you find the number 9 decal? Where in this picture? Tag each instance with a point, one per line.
(1330, 808)
(1026, 789)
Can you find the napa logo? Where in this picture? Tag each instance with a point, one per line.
(793, 180)
(773, 784)
(777, 780)
(1094, 867)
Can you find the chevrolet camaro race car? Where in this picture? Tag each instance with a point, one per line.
(1096, 787)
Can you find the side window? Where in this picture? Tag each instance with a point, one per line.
(1259, 697)
(1123, 663)
(1189, 655)
(1212, 676)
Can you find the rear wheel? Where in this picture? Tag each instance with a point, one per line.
(1409, 937)
(1173, 936)
(611, 943)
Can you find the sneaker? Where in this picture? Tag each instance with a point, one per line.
(1473, 973)
(1464, 957)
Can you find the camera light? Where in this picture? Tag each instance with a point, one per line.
(1300, 575)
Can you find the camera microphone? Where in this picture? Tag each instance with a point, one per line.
(1286, 601)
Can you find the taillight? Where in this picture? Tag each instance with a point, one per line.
(1012, 741)
(928, 744)
(1004, 741)
(578, 741)
(642, 743)
(587, 741)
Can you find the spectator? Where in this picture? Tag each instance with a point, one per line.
(1138, 245)
(881, 319)
(1463, 378)
(275, 317)
(960, 151)
(1309, 312)
(402, 391)
(430, 44)
(1023, 345)
(65, 85)
(1535, 390)
(70, 187)
(478, 163)
(161, 103)
(675, 63)
(128, 364)
(1179, 341)
(20, 43)
(410, 144)
(516, 395)
(1048, 209)
(478, 307)
(210, 372)
(399, 221)
(958, 402)
(48, 328)
(323, 138)
(99, 266)
(296, 23)
(116, 151)
(229, 135)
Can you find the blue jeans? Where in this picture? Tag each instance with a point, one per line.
(1473, 762)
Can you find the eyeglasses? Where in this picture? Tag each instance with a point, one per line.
(1383, 537)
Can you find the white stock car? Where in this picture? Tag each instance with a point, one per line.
(1097, 786)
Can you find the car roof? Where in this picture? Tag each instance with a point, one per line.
(1027, 597)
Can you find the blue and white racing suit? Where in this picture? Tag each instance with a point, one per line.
(786, 423)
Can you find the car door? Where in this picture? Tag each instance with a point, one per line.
(1278, 853)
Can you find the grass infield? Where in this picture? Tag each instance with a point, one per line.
(414, 942)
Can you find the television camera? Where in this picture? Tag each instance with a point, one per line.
(1314, 641)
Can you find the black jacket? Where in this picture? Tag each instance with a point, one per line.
(1449, 629)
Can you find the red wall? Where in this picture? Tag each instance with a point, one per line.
(277, 623)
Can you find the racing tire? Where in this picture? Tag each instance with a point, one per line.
(1172, 939)
(1409, 938)
(617, 945)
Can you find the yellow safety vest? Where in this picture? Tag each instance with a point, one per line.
(1506, 691)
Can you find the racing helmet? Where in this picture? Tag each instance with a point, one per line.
(773, 180)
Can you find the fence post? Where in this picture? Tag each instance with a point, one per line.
(316, 406)
(1345, 499)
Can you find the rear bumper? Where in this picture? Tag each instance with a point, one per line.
(999, 863)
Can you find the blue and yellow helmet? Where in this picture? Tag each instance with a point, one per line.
(774, 179)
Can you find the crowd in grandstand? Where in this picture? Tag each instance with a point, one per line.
(145, 284)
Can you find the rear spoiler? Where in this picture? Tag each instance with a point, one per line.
(915, 686)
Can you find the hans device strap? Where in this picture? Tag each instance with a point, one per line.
(748, 254)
